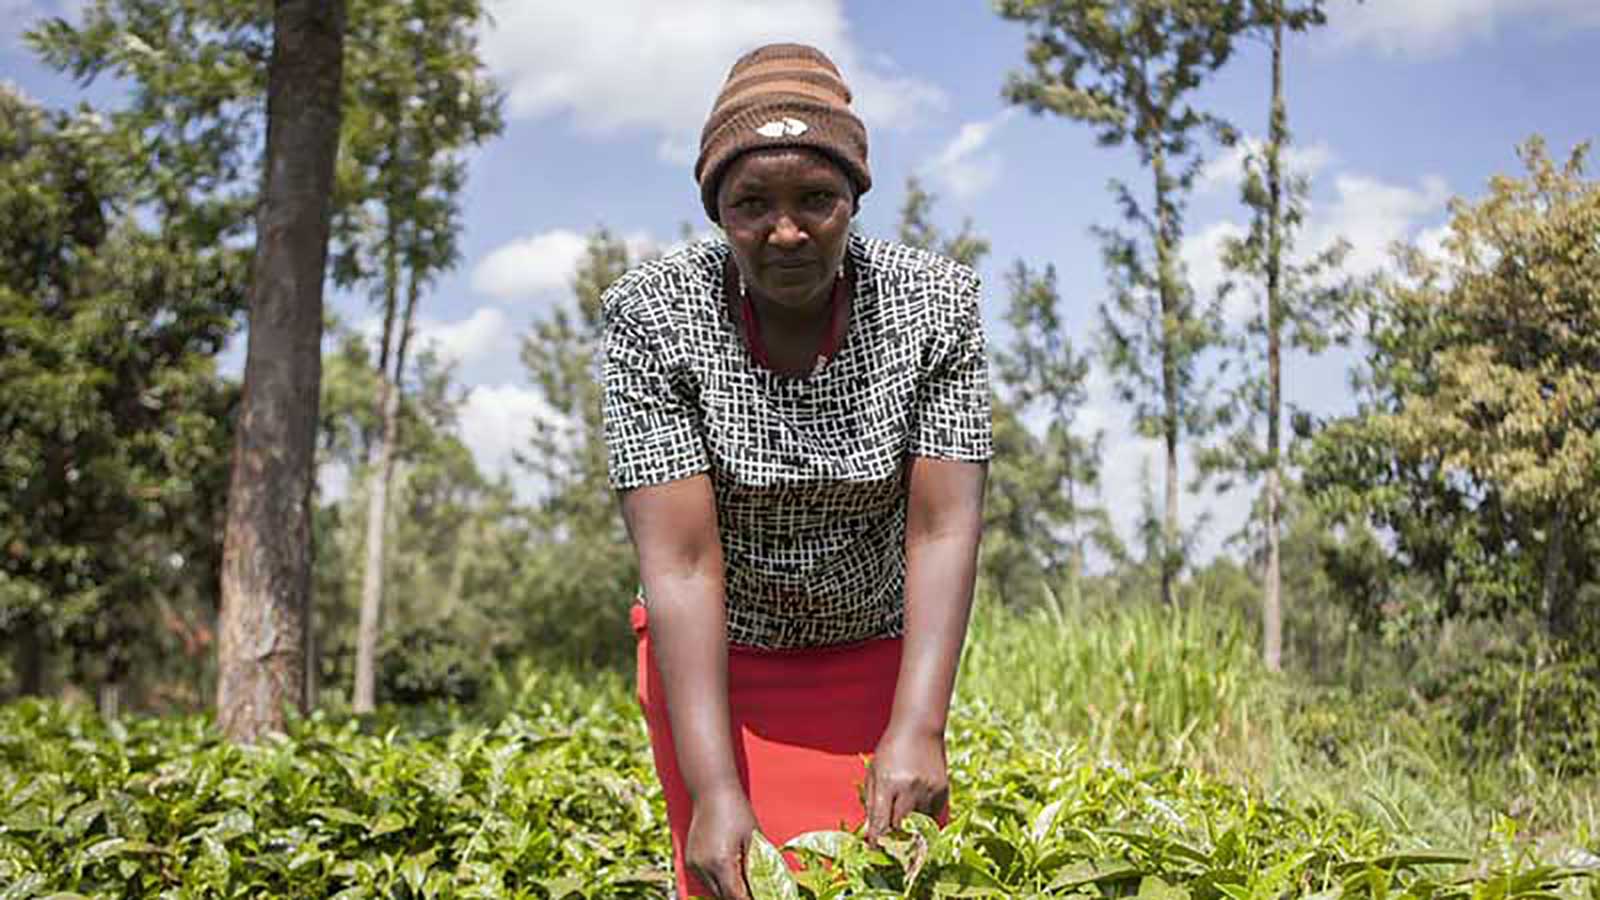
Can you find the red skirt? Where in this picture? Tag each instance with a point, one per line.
(804, 723)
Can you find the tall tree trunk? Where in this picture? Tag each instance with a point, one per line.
(382, 475)
(1554, 599)
(29, 659)
(364, 695)
(378, 468)
(266, 557)
(1170, 417)
(1272, 599)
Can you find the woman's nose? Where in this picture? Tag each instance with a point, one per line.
(786, 233)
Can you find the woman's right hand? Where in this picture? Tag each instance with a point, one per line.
(719, 836)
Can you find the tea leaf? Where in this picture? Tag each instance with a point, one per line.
(767, 873)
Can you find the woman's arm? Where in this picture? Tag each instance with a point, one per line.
(674, 530)
(944, 520)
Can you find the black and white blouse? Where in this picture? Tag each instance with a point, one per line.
(808, 471)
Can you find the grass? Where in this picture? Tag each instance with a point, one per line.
(1185, 687)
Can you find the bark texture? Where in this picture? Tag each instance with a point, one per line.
(266, 565)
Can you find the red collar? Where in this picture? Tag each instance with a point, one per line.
(838, 322)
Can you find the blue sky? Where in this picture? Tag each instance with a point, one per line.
(1397, 106)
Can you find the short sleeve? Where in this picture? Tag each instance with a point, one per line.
(952, 418)
(650, 427)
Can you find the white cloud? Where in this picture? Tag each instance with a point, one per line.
(1423, 28)
(1202, 259)
(480, 335)
(1371, 215)
(1431, 240)
(530, 266)
(961, 166)
(544, 264)
(1226, 170)
(497, 419)
(645, 64)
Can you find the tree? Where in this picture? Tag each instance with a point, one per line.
(455, 551)
(266, 563)
(1300, 301)
(400, 218)
(1033, 507)
(197, 78)
(1477, 441)
(1044, 373)
(916, 229)
(583, 552)
(114, 457)
(1127, 68)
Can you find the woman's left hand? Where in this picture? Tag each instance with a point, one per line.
(908, 774)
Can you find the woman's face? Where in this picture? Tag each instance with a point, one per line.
(787, 213)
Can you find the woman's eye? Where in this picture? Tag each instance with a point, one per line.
(819, 199)
(750, 205)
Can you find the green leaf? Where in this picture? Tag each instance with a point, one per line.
(388, 823)
(826, 844)
(767, 873)
(966, 880)
(1154, 888)
(1045, 820)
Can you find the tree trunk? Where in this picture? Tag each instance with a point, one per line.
(1554, 600)
(382, 474)
(29, 660)
(1272, 600)
(110, 699)
(379, 469)
(1170, 419)
(266, 564)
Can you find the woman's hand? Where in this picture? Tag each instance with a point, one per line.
(908, 774)
(719, 836)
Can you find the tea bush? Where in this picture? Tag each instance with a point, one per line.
(557, 799)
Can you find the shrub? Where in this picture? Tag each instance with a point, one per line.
(429, 663)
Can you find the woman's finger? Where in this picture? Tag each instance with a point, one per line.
(879, 806)
(905, 801)
(734, 884)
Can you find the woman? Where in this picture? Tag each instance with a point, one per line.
(798, 423)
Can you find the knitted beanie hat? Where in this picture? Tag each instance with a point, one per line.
(781, 95)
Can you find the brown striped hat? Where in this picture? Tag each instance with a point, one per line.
(781, 95)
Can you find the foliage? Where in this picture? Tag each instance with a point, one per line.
(582, 569)
(1037, 509)
(1129, 69)
(458, 542)
(1477, 440)
(1046, 378)
(115, 458)
(1511, 696)
(431, 663)
(559, 799)
(916, 229)
(550, 801)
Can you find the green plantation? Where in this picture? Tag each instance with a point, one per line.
(1155, 787)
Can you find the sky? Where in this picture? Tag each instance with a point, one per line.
(1397, 106)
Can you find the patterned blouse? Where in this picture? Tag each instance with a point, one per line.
(808, 471)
